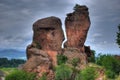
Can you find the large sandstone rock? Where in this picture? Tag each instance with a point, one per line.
(48, 34)
(47, 40)
(77, 26)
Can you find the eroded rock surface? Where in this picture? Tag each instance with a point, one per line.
(48, 34)
(47, 40)
(77, 26)
(75, 53)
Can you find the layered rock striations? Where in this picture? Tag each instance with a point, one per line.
(47, 41)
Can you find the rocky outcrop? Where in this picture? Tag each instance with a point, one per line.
(75, 53)
(47, 41)
(48, 34)
(77, 26)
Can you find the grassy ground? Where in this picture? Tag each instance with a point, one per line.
(8, 70)
(101, 72)
(99, 68)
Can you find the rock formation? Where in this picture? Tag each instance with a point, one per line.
(77, 25)
(48, 34)
(47, 40)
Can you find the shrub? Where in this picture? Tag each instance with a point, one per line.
(92, 57)
(63, 72)
(110, 74)
(61, 59)
(75, 61)
(44, 77)
(87, 74)
(110, 63)
(20, 75)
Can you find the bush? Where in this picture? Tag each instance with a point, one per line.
(44, 77)
(75, 61)
(61, 59)
(87, 74)
(92, 57)
(63, 72)
(110, 74)
(20, 75)
(110, 63)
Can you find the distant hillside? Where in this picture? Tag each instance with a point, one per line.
(12, 53)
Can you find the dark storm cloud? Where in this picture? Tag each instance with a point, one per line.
(105, 17)
(17, 17)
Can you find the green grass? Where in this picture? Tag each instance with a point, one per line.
(8, 70)
(20, 75)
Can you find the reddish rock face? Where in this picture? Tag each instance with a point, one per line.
(75, 53)
(77, 25)
(48, 34)
(47, 40)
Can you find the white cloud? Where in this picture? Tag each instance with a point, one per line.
(96, 35)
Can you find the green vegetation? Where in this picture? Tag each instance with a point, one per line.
(110, 63)
(118, 36)
(4, 62)
(63, 72)
(44, 77)
(110, 74)
(20, 75)
(92, 58)
(75, 61)
(87, 74)
(8, 70)
(61, 59)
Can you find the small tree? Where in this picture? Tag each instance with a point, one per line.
(63, 72)
(88, 73)
(61, 59)
(92, 57)
(110, 63)
(75, 61)
(118, 36)
(20, 75)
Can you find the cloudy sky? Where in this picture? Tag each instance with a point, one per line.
(17, 17)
